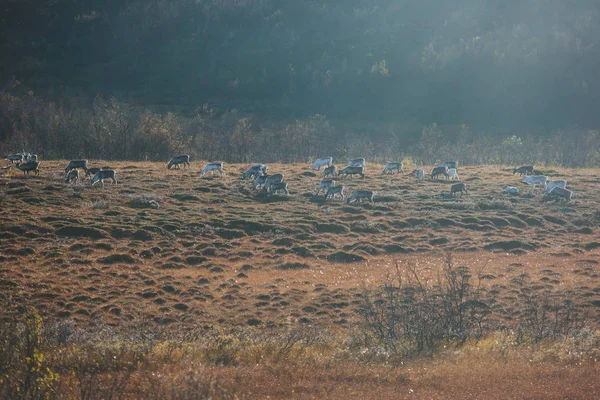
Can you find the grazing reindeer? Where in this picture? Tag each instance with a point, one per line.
(325, 185)
(330, 171)
(278, 187)
(552, 184)
(352, 171)
(319, 162)
(259, 181)
(255, 171)
(271, 179)
(105, 174)
(439, 171)
(524, 170)
(185, 160)
(510, 189)
(13, 158)
(20, 157)
(558, 193)
(77, 164)
(458, 187)
(358, 195)
(332, 191)
(28, 167)
(73, 175)
(391, 166)
(213, 167)
(419, 174)
(92, 171)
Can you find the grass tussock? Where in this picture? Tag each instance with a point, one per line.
(144, 201)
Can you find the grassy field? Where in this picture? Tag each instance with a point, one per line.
(174, 251)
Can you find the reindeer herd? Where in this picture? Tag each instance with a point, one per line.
(449, 170)
(275, 184)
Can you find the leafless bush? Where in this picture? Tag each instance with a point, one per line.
(410, 314)
(547, 314)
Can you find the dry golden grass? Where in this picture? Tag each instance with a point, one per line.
(474, 372)
(179, 250)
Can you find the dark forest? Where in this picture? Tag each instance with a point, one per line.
(278, 80)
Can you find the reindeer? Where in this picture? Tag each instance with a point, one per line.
(325, 185)
(14, 158)
(391, 166)
(175, 161)
(330, 171)
(458, 187)
(332, 191)
(271, 179)
(352, 171)
(77, 164)
(320, 162)
(105, 174)
(255, 171)
(92, 171)
(524, 170)
(558, 193)
(28, 167)
(359, 195)
(278, 187)
(213, 167)
(439, 171)
(419, 174)
(72, 175)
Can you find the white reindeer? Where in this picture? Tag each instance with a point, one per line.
(419, 174)
(558, 193)
(319, 162)
(358, 162)
(453, 174)
(391, 166)
(450, 164)
(552, 184)
(255, 171)
(534, 180)
(213, 167)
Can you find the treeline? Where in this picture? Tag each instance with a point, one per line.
(515, 65)
(113, 129)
